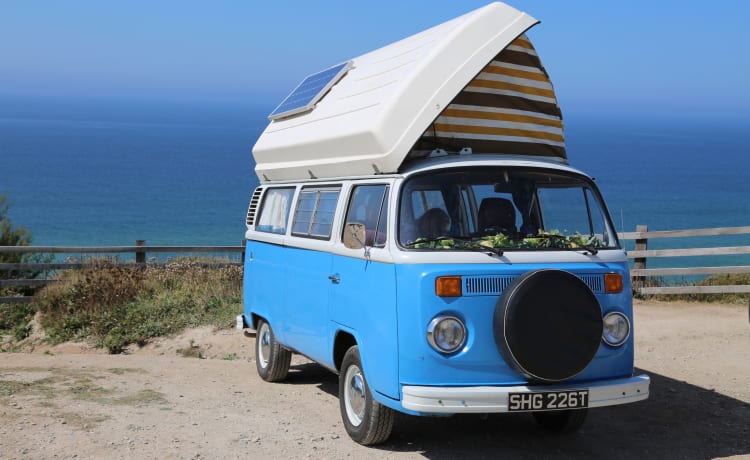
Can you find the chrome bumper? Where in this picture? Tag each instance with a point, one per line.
(485, 399)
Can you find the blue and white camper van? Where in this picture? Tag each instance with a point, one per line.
(418, 231)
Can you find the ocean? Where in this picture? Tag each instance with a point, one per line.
(109, 173)
(112, 173)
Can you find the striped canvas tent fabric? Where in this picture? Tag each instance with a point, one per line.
(509, 108)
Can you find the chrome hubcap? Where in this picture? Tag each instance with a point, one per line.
(355, 395)
(264, 345)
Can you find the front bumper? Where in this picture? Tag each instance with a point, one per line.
(486, 399)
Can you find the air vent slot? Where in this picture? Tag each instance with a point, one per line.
(253, 208)
(487, 285)
(495, 284)
(594, 282)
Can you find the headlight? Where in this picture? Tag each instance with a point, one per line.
(446, 334)
(616, 329)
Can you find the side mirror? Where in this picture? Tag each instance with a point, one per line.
(354, 235)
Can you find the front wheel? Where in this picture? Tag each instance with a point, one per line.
(560, 422)
(366, 421)
(271, 359)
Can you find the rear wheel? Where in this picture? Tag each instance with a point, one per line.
(271, 359)
(366, 421)
(564, 421)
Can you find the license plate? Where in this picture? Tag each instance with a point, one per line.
(548, 400)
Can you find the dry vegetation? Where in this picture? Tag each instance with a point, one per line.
(114, 305)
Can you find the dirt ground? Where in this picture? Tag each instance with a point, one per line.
(70, 401)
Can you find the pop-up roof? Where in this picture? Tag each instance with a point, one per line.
(472, 84)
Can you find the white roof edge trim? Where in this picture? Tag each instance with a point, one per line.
(368, 121)
(502, 161)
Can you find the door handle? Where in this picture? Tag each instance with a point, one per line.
(334, 279)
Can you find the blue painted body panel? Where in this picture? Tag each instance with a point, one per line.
(264, 262)
(364, 302)
(387, 308)
(290, 287)
(305, 324)
(292, 297)
(479, 362)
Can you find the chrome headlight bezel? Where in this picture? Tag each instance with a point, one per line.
(616, 330)
(436, 332)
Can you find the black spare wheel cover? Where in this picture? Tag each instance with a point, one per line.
(548, 325)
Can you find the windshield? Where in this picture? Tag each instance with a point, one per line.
(503, 208)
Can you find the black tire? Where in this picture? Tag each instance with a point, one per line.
(561, 422)
(366, 421)
(548, 325)
(271, 359)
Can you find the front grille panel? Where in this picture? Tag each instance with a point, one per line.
(493, 285)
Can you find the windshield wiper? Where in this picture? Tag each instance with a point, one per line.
(427, 241)
(566, 239)
(465, 243)
(474, 245)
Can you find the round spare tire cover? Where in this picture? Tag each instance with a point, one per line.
(548, 325)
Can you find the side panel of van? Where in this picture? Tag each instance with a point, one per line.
(264, 262)
(305, 324)
(364, 301)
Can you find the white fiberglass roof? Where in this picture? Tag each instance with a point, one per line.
(370, 119)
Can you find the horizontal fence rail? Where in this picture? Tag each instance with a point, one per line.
(641, 254)
(639, 273)
(139, 253)
(115, 249)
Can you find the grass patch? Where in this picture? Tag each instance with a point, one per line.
(78, 385)
(143, 397)
(125, 370)
(115, 305)
(12, 387)
(193, 351)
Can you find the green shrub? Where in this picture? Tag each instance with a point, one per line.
(15, 314)
(115, 305)
(21, 331)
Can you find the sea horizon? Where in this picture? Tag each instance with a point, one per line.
(98, 173)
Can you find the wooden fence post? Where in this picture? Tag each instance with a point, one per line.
(242, 254)
(140, 254)
(641, 244)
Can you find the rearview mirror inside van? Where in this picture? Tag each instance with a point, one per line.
(354, 235)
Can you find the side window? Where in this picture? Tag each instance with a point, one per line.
(369, 205)
(274, 213)
(313, 216)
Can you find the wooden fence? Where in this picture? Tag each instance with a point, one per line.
(138, 252)
(639, 273)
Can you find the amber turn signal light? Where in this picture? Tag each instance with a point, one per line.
(612, 283)
(448, 286)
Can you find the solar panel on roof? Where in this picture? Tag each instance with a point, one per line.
(310, 91)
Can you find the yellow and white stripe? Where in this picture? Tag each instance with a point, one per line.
(510, 107)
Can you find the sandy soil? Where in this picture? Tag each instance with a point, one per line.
(71, 401)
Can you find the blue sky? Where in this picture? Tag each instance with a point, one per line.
(662, 57)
